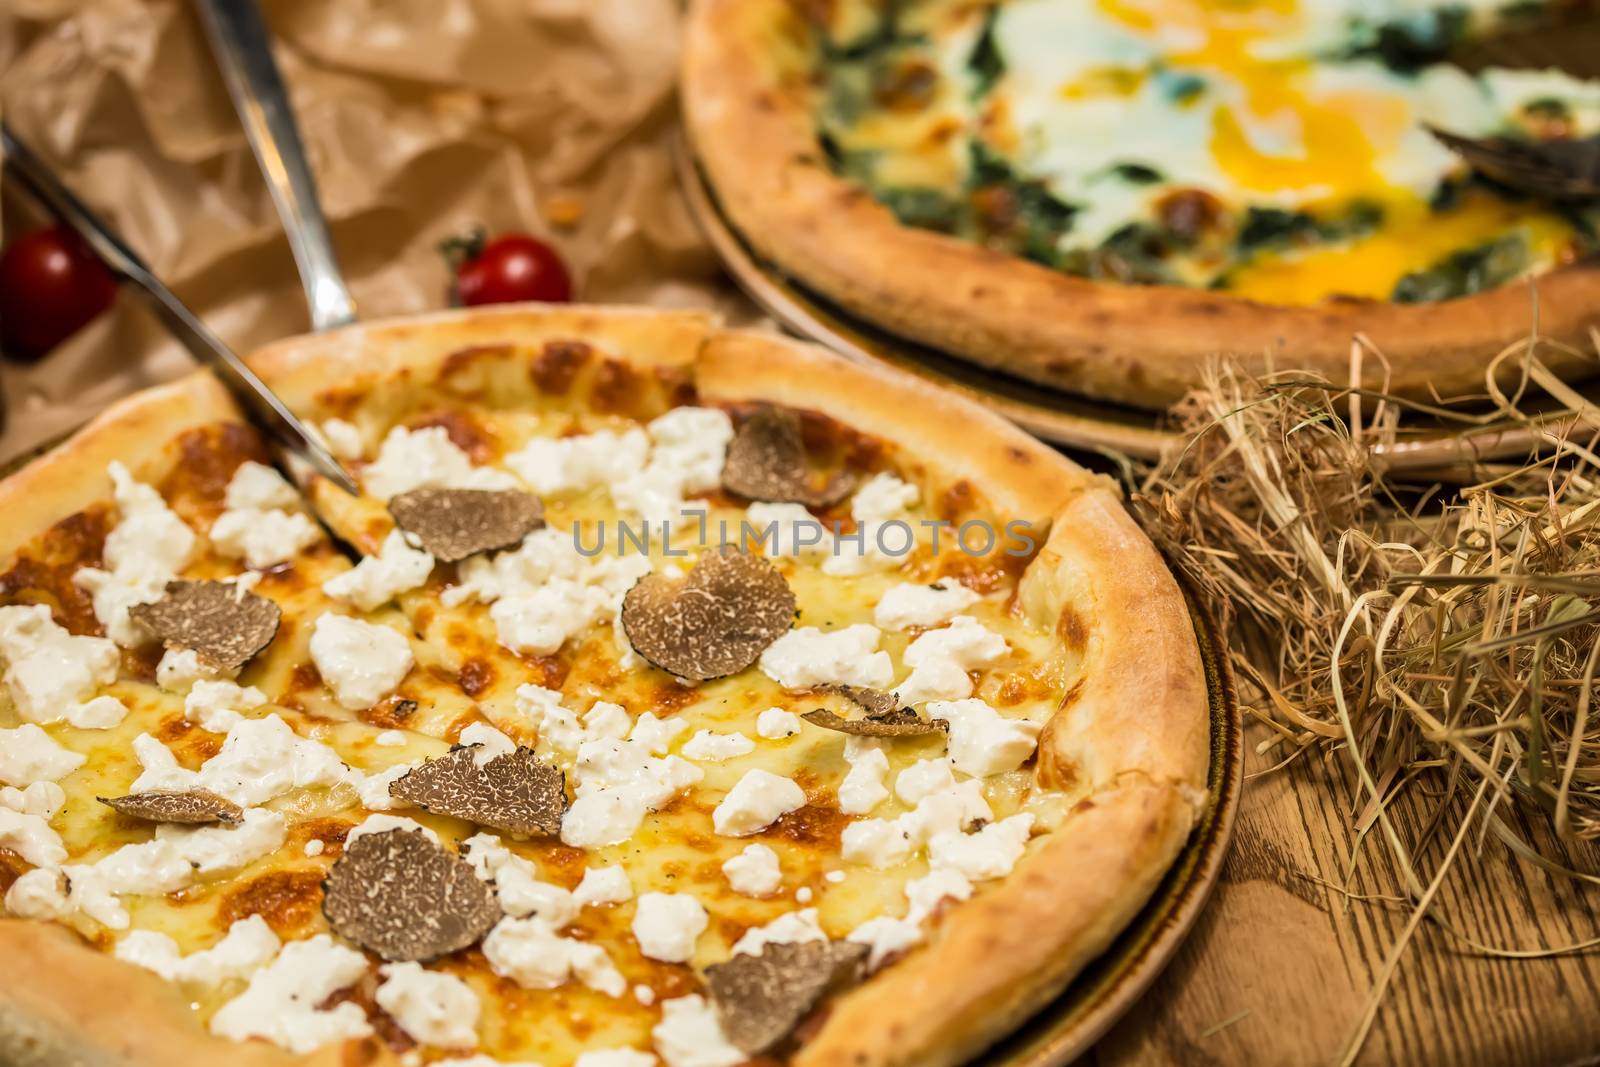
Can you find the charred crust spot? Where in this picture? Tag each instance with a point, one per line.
(557, 365)
(465, 359)
(1073, 629)
(956, 501)
(391, 713)
(464, 431)
(12, 867)
(549, 671)
(304, 678)
(207, 459)
(287, 900)
(475, 676)
(616, 387)
(42, 573)
(678, 386)
(810, 825)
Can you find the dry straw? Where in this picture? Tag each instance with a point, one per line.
(1446, 634)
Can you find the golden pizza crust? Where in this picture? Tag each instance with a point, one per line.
(747, 108)
(1131, 735)
(135, 431)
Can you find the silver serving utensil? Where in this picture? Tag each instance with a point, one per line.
(262, 403)
(1563, 171)
(243, 50)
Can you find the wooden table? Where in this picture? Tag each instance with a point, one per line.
(1279, 968)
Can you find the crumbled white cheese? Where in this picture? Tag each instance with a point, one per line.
(261, 525)
(489, 742)
(360, 661)
(989, 853)
(545, 591)
(167, 863)
(373, 786)
(754, 872)
(603, 885)
(181, 668)
(396, 569)
(924, 778)
(395, 738)
(982, 741)
(263, 539)
(143, 552)
(39, 894)
(343, 439)
(884, 535)
(689, 1035)
(833, 877)
(617, 783)
(714, 747)
(215, 706)
(43, 799)
(532, 954)
(314, 846)
(584, 461)
(883, 843)
(261, 759)
(656, 735)
(885, 936)
(666, 925)
(426, 459)
(644, 994)
(432, 1007)
(28, 755)
(688, 447)
(775, 724)
(52, 674)
(29, 835)
(516, 880)
(804, 894)
(755, 802)
(940, 659)
(909, 604)
(808, 657)
(280, 1003)
(785, 530)
(884, 496)
(789, 928)
(862, 788)
(248, 945)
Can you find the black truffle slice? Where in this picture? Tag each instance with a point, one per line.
(759, 999)
(399, 894)
(514, 792)
(193, 807)
(884, 715)
(453, 524)
(224, 624)
(713, 623)
(767, 461)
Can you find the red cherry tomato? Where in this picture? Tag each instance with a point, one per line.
(512, 268)
(51, 285)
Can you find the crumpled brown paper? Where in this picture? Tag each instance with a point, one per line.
(421, 118)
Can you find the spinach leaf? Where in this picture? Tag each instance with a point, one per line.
(986, 62)
(1464, 273)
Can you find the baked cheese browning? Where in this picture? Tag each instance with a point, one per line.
(1275, 149)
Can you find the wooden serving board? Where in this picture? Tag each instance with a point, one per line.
(1279, 968)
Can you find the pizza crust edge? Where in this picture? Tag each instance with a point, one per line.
(747, 118)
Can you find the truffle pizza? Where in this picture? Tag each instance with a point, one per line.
(670, 695)
(1101, 194)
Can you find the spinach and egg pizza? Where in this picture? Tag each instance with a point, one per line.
(1101, 194)
(670, 695)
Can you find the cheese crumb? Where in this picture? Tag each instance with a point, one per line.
(754, 872)
(280, 1003)
(396, 569)
(775, 724)
(666, 925)
(360, 661)
(808, 657)
(758, 800)
(689, 1035)
(433, 1007)
(909, 604)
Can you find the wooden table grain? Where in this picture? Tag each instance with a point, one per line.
(1279, 967)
